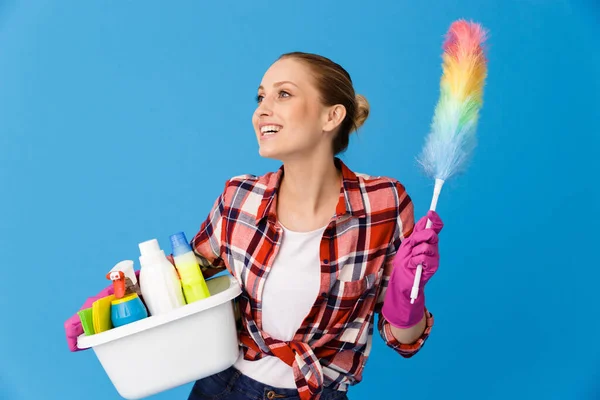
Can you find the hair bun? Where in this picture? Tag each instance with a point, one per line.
(362, 111)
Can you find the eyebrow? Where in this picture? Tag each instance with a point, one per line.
(277, 84)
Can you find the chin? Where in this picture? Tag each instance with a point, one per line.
(269, 153)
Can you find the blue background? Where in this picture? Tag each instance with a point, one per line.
(120, 122)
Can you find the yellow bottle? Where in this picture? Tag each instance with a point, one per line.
(192, 281)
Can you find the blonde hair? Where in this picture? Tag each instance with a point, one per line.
(335, 87)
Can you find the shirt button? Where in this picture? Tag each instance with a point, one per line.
(323, 294)
(326, 261)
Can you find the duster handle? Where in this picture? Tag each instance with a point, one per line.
(436, 194)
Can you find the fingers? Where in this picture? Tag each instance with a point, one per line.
(171, 259)
(72, 333)
(428, 262)
(73, 330)
(425, 249)
(420, 225)
(73, 324)
(72, 345)
(436, 222)
(426, 236)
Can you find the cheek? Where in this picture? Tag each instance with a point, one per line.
(304, 116)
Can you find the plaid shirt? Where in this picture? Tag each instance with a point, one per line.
(331, 347)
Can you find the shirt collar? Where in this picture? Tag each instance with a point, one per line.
(351, 197)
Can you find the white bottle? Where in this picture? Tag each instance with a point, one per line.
(159, 282)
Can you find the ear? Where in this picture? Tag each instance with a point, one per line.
(334, 117)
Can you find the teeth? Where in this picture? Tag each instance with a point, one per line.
(269, 129)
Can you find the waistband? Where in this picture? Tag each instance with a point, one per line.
(259, 391)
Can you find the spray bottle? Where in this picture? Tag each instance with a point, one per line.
(131, 282)
(192, 280)
(126, 307)
(159, 281)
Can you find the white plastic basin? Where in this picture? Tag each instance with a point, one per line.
(162, 352)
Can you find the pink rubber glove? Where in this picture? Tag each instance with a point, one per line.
(421, 247)
(73, 327)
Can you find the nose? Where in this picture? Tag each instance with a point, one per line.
(264, 108)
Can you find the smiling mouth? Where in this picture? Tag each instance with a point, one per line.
(269, 130)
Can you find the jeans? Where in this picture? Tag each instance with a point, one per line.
(232, 385)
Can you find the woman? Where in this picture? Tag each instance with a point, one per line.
(317, 249)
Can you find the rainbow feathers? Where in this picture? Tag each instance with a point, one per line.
(452, 137)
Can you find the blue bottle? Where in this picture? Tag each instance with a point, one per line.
(126, 310)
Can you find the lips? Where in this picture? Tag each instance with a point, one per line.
(267, 130)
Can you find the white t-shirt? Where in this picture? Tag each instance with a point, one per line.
(290, 291)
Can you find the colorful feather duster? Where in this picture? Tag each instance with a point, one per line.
(452, 139)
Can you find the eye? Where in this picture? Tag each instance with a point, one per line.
(259, 98)
(283, 93)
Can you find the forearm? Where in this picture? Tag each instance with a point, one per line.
(410, 335)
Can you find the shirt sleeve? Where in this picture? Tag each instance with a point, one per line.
(207, 243)
(404, 227)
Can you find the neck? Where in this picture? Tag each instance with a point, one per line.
(310, 184)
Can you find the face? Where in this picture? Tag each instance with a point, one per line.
(290, 121)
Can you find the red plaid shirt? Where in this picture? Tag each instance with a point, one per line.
(331, 347)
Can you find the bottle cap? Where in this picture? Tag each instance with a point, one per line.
(179, 244)
(126, 267)
(149, 247)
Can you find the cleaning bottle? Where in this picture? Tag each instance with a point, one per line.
(159, 282)
(192, 280)
(126, 307)
(131, 282)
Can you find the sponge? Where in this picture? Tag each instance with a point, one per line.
(101, 314)
(87, 322)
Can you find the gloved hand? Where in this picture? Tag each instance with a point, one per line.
(73, 328)
(421, 247)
